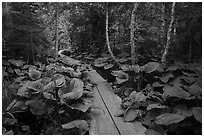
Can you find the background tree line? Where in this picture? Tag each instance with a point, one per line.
(34, 30)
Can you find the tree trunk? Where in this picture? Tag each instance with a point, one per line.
(107, 40)
(163, 26)
(163, 60)
(132, 30)
(56, 31)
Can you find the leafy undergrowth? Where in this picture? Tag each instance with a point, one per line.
(165, 99)
(46, 99)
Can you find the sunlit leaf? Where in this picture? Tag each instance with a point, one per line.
(48, 96)
(36, 86)
(166, 77)
(82, 105)
(156, 106)
(195, 90)
(130, 114)
(197, 112)
(76, 90)
(169, 118)
(69, 61)
(173, 91)
(59, 79)
(26, 66)
(120, 76)
(137, 97)
(122, 60)
(23, 92)
(17, 63)
(108, 66)
(19, 72)
(16, 105)
(151, 67)
(82, 125)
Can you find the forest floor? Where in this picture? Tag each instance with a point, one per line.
(57, 98)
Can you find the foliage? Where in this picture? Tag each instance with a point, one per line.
(162, 98)
(46, 98)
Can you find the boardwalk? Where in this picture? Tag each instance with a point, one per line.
(105, 122)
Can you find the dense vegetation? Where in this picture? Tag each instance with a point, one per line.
(149, 52)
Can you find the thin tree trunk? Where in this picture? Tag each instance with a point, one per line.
(56, 31)
(132, 30)
(107, 40)
(163, 60)
(163, 26)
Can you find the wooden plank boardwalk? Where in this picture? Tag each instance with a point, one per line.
(105, 122)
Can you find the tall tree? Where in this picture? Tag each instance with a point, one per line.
(132, 31)
(56, 30)
(163, 24)
(107, 39)
(163, 60)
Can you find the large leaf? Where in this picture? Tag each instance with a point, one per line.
(82, 105)
(23, 92)
(36, 86)
(169, 118)
(100, 62)
(195, 90)
(18, 63)
(151, 67)
(19, 72)
(120, 76)
(59, 79)
(137, 97)
(122, 60)
(16, 105)
(130, 114)
(37, 106)
(197, 112)
(82, 125)
(174, 91)
(166, 77)
(155, 106)
(34, 74)
(108, 66)
(69, 61)
(76, 86)
(188, 80)
(183, 110)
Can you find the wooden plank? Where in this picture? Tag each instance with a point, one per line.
(112, 103)
(101, 122)
(95, 76)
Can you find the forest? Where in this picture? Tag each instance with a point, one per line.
(146, 54)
